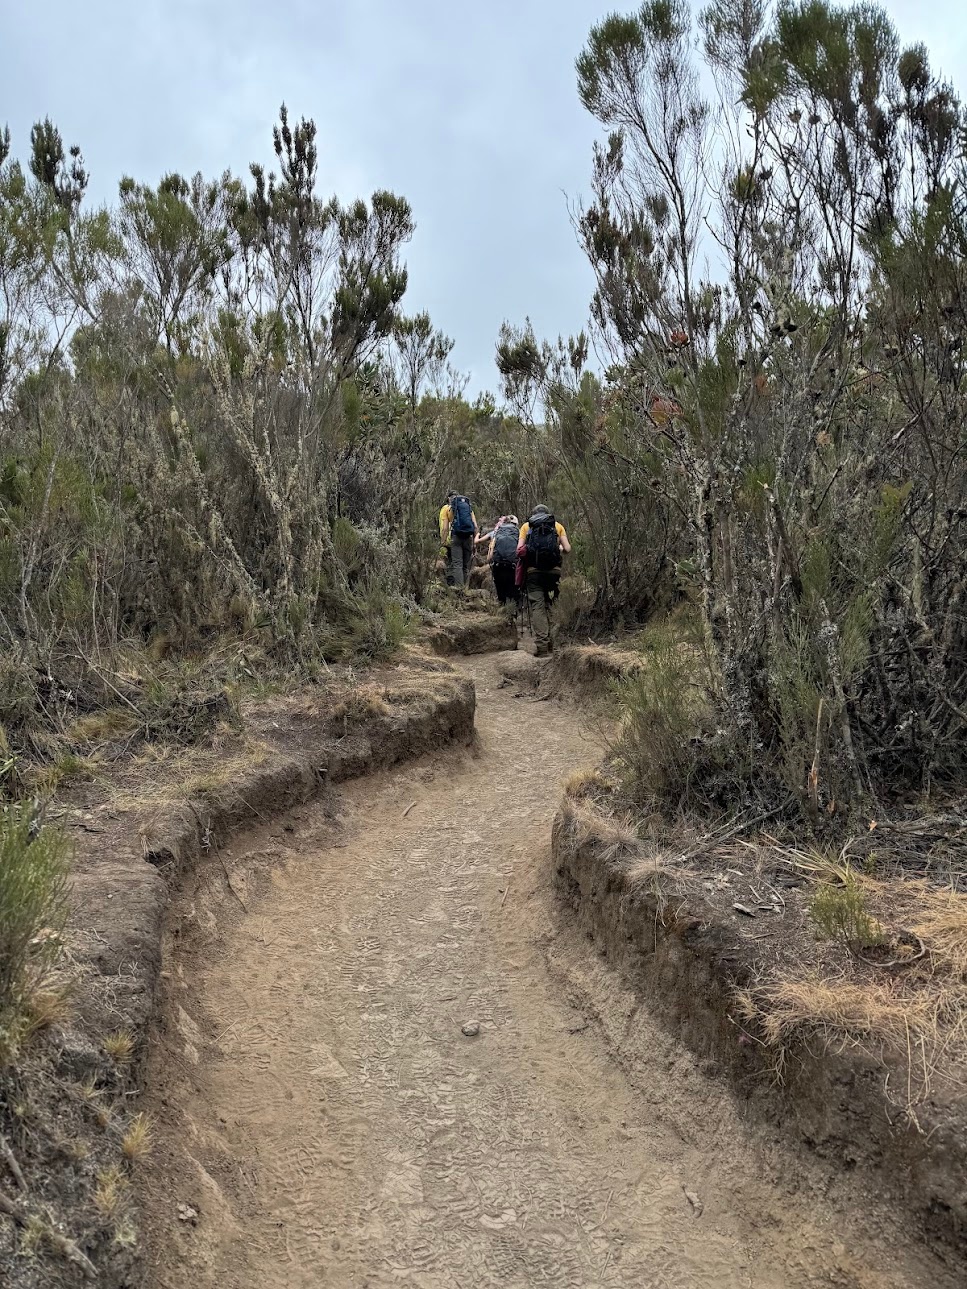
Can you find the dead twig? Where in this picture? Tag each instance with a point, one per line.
(408, 809)
(11, 1161)
(898, 962)
(60, 1243)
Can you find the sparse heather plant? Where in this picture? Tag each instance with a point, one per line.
(838, 910)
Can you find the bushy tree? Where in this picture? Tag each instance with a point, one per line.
(779, 280)
(176, 414)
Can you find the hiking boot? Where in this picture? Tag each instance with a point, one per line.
(540, 652)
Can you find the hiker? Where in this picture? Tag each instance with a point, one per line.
(502, 558)
(458, 527)
(540, 549)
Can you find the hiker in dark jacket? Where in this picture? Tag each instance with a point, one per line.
(502, 558)
(540, 550)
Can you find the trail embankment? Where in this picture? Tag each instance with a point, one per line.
(401, 1062)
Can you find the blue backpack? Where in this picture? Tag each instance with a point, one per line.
(462, 512)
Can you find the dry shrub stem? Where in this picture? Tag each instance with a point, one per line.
(67, 1249)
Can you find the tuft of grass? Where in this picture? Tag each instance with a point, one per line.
(110, 1192)
(35, 1013)
(68, 767)
(610, 835)
(125, 1234)
(584, 783)
(120, 1046)
(102, 726)
(32, 1237)
(208, 784)
(137, 1142)
(44, 1008)
(359, 706)
(88, 1089)
(842, 1010)
(77, 1150)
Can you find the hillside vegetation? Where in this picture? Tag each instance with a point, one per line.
(778, 230)
(224, 442)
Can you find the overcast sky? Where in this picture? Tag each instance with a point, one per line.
(467, 108)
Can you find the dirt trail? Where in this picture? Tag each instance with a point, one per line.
(321, 1108)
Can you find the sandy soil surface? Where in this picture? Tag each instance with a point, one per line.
(325, 1120)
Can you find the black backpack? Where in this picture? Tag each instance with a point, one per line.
(543, 544)
(505, 544)
(462, 512)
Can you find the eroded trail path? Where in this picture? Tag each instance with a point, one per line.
(334, 1127)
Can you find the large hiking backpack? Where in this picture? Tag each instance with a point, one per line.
(462, 512)
(505, 544)
(543, 544)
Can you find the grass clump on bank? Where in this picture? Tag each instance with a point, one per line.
(33, 911)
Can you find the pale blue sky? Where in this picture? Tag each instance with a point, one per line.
(467, 109)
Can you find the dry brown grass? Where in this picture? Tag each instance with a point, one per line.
(840, 1010)
(594, 666)
(361, 705)
(120, 1046)
(906, 1007)
(161, 775)
(941, 924)
(110, 1193)
(125, 1234)
(612, 834)
(45, 1008)
(138, 1141)
(584, 783)
(100, 727)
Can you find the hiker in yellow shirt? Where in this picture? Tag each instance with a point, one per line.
(540, 551)
(458, 527)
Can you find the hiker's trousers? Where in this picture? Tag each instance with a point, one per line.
(461, 557)
(504, 582)
(541, 591)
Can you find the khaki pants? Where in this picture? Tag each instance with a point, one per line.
(541, 591)
(461, 557)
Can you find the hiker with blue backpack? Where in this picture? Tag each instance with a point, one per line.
(541, 547)
(458, 527)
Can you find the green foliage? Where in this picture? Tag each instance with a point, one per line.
(33, 904)
(838, 911)
(591, 463)
(799, 415)
(670, 758)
